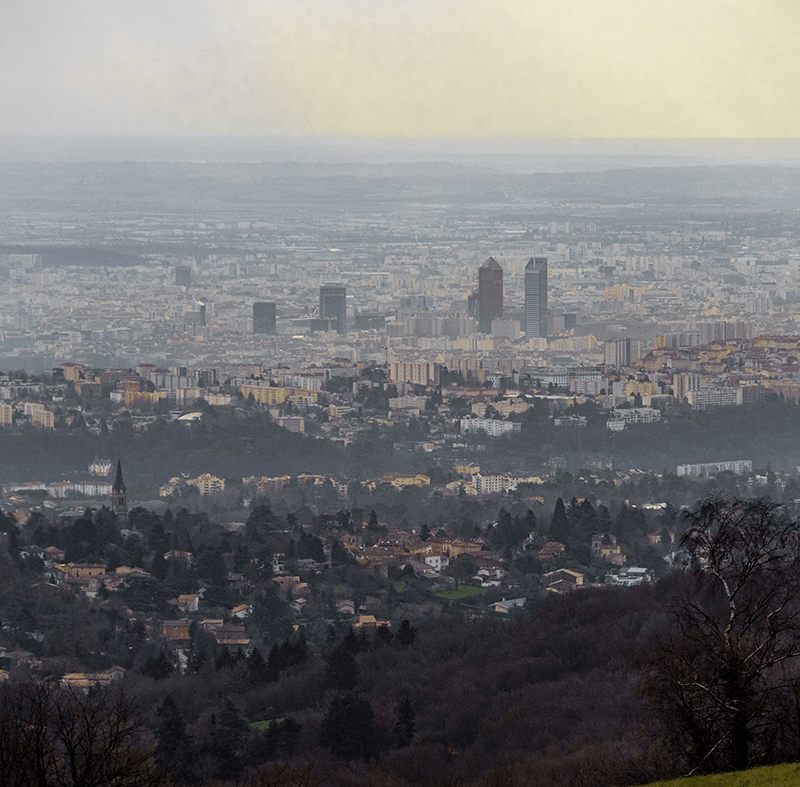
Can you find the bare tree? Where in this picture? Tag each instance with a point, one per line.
(65, 738)
(729, 661)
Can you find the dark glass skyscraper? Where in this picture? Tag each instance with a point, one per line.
(536, 298)
(490, 294)
(264, 318)
(183, 276)
(333, 306)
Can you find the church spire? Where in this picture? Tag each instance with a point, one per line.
(119, 496)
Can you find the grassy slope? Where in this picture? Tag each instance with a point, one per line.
(773, 776)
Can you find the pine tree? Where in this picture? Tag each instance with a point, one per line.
(559, 525)
(341, 672)
(257, 667)
(406, 714)
(159, 566)
(406, 634)
(224, 660)
(350, 640)
(383, 636)
(339, 555)
(159, 666)
(197, 658)
(227, 741)
(299, 650)
(173, 750)
(348, 728)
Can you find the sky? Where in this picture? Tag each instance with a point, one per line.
(402, 69)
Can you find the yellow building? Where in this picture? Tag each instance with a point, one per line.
(399, 480)
(265, 394)
(417, 372)
(207, 484)
(633, 387)
(42, 417)
(84, 570)
(72, 371)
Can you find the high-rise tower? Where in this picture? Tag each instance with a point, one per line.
(119, 495)
(490, 294)
(536, 298)
(264, 318)
(333, 306)
(183, 275)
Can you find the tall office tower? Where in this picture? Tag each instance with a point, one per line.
(536, 298)
(264, 318)
(490, 294)
(333, 306)
(183, 276)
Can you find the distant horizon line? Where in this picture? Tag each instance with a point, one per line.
(514, 153)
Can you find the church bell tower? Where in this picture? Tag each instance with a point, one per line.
(119, 496)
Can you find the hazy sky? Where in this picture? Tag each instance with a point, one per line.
(402, 68)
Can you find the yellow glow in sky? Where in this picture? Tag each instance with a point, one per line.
(473, 68)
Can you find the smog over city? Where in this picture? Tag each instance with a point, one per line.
(399, 393)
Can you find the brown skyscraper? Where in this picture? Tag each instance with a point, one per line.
(490, 294)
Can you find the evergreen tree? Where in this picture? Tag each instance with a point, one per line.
(158, 666)
(197, 658)
(350, 640)
(257, 667)
(559, 525)
(348, 728)
(406, 714)
(173, 750)
(279, 739)
(227, 740)
(339, 555)
(586, 521)
(260, 521)
(299, 651)
(603, 520)
(310, 547)
(406, 634)
(341, 671)
(224, 660)
(211, 566)
(274, 663)
(383, 635)
(159, 567)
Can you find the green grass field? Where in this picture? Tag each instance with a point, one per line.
(262, 725)
(465, 591)
(773, 776)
